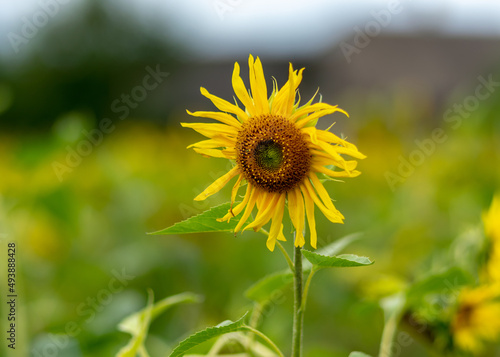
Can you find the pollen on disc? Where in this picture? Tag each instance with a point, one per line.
(272, 153)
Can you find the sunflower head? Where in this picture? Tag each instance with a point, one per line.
(491, 221)
(477, 319)
(278, 152)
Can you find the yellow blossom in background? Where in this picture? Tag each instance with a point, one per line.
(278, 152)
(477, 319)
(491, 221)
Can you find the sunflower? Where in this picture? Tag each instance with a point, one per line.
(278, 153)
(477, 319)
(491, 221)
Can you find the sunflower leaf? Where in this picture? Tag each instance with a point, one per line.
(333, 248)
(270, 287)
(207, 334)
(131, 323)
(358, 354)
(138, 323)
(204, 222)
(336, 261)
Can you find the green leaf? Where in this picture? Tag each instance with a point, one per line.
(138, 323)
(358, 354)
(139, 332)
(336, 261)
(207, 334)
(264, 289)
(205, 222)
(333, 248)
(131, 324)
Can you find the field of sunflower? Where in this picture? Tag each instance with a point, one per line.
(423, 209)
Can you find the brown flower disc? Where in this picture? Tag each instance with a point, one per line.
(272, 153)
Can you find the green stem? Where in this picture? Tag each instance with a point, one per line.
(283, 250)
(390, 328)
(287, 257)
(387, 338)
(265, 338)
(306, 288)
(298, 312)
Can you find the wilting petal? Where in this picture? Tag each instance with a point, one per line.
(296, 210)
(267, 206)
(309, 203)
(276, 231)
(218, 184)
(248, 209)
(237, 210)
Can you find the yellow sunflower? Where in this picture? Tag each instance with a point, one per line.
(491, 221)
(477, 319)
(277, 151)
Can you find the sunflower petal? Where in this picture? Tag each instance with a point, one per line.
(296, 210)
(224, 105)
(216, 142)
(248, 209)
(265, 211)
(322, 192)
(211, 153)
(316, 115)
(222, 117)
(258, 85)
(332, 173)
(309, 109)
(284, 100)
(309, 203)
(334, 216)
(218, 184)
(241, 91)
(235, 189)
(237, 210)
(276, 231)
(211, 130)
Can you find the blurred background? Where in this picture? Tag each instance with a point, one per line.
(92, 156)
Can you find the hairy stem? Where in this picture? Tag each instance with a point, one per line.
(298, 312)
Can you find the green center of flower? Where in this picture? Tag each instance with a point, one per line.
(268, 155)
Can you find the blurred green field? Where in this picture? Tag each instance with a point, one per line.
(77, 232)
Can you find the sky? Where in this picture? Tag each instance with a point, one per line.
(221, 28)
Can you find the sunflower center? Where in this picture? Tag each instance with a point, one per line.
(268, 155)
(272, 153)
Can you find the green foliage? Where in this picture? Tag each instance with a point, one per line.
(207, 334)
(264, 289)
(204, 222)
(339, 261)
(333, 248)
(138, 323)
(358, 354)
(446, 282)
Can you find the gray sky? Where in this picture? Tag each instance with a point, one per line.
(220, 28)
